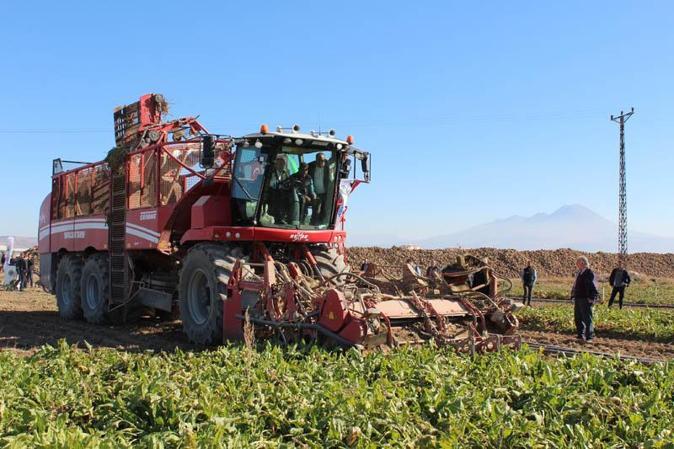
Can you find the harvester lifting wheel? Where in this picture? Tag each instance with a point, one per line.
(95, 289)
(68, 279)
(203, 287)
(330, 262)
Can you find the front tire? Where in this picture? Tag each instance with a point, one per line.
(330, 262)
(95, 289)
(202, 290)
(68, 280)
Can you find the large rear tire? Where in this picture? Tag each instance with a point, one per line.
(68, 280)
(203, 288)
(330, 262)
(95, 289)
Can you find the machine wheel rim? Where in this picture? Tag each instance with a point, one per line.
(92, 292)
(199, 297)
(66, 289)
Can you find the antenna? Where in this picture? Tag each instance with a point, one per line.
(622, 191)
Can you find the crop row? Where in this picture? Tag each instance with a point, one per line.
(642, 291)
(310, 397)
(641, 324)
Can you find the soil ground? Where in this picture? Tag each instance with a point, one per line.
(29, 319)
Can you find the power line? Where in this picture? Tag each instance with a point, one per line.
(622, 191)
(53, 131)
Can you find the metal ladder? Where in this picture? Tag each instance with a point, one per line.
(119, 269)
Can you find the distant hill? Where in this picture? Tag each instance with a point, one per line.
(19, 242)
(573, 226)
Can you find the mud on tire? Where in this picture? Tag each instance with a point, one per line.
(68, 280)
(202, 288)
(95, 289)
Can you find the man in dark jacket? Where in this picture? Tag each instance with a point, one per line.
(21, 271)
(29, 271)
(584, 294)
(432, 273)
(278, 191)
(302, 194)
(322, 173)
(528, 281)
(364, 267)
(619, 279)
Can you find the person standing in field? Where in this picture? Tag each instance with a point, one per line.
(365, 266)
(413, 266)
(433, 273)
(432, 269)
(529, 277)
(21, 271)
(2, 262)
(29, 271)
(584, 294)
(619, 279)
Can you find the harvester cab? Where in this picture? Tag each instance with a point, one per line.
(292, 180)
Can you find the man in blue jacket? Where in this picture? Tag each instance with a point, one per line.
(584, 294)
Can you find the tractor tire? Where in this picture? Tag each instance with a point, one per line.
(330, 262)
(95, 289)
(68, 280)
(202, 289)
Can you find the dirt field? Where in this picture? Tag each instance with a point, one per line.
(509, 262)
(29, 320)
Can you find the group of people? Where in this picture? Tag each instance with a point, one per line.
(584, 293)
(24, 269)
(291, 195)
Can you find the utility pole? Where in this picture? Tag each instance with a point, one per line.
(622, 193)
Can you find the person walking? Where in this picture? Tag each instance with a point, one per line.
(29, 271)
(3, 259)
(529, 277)
(619, 279)
(584, 294)
(21, 271)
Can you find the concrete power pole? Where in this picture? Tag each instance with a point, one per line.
(622, 194)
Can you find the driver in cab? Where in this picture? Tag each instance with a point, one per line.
(302, 194)
(279, 192)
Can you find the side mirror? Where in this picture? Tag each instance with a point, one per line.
(365, 166)
(208, 152)
(57, 166)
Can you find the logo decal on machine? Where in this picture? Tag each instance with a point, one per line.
(70, 235)
(148, 215)
(299, 237)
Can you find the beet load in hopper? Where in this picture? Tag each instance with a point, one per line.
(242, 236)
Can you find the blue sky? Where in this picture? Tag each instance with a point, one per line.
(472, 110)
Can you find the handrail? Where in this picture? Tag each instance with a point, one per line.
(195, 173)
(190, 169)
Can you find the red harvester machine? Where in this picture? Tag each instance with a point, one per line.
(240, 234)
